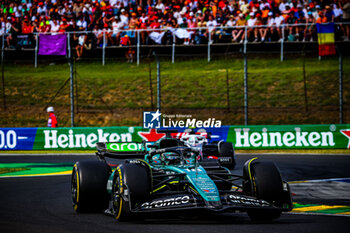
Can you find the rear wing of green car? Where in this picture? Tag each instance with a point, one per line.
(122, 150)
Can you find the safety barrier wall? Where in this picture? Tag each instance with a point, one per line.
(243, 137)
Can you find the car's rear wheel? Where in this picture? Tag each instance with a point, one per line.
(266, 184)
(136, 180)
(88, 186)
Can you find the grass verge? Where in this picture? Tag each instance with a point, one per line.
(118, 93)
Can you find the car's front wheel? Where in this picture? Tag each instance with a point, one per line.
(88, 186)
(265, 183)
(131, 185)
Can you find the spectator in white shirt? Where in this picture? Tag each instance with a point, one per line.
(251, 23)
(283, 4)
(117, 26)
(124, 17)
(87, 9)
(160, 5)
(264, 4)
(81, 23)
(55, 25)
(211, 24)
(231, 22)
(337, 13)
(271, 24)
(279, 20)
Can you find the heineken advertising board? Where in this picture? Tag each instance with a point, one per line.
(242, 137)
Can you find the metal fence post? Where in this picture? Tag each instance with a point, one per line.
(305, 88)
(71, 91)
(209, 42)
(3, 72)
(245, 76)
(103, 48)
(150, 85)
(173, 50)
(158, 85)
(282, 43)
(2, 48)
(71, 80)
(245, 89)
(36, 51)
(245, 40)
(341, 88)
(69, 48)
(227, 90)
(138, 48)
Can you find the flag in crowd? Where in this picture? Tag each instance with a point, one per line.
(53, 44)
(326, 45)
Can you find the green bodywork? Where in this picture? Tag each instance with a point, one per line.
(195, 174)
(199, 180)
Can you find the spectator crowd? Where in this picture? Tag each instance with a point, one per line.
(120, 21)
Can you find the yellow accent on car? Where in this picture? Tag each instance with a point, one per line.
(77, 196)
(193, 189)
(120, 191)
(250, 174)
(120, 207)
(172, 182)
(158, 189)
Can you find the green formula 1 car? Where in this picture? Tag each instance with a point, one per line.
(173, 179)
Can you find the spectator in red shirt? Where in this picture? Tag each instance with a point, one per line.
(45, 26)
(125, 41)
(52, 122)
(27, 27)
(64, 25)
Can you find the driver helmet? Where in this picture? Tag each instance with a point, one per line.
(171, 158)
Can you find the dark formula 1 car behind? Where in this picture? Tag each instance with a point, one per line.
(173, 179)
(208, 148)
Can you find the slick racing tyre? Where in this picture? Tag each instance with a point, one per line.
(88, 186)
(131, 185)
(265, 184)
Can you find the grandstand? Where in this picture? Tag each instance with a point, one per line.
(127, 23)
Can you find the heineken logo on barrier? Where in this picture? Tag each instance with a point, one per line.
(59, 139)
(243, 137)
(298, 138)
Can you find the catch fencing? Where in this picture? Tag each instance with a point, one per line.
(237, 83)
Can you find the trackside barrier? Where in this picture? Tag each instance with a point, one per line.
(243, 137)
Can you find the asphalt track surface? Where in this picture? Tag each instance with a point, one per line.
(43, 204)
